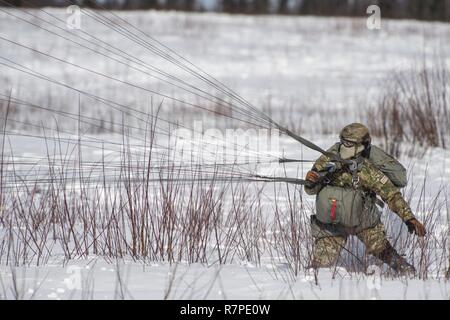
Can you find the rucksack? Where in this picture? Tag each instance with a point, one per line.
(390, 166)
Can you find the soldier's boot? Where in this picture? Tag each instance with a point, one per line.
(394, 260)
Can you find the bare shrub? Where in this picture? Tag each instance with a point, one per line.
(145, 207)
(413, 108)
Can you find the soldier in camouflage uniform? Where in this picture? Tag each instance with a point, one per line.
(329, 239)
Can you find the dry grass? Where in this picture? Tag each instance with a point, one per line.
(414, 108)
(177, 221)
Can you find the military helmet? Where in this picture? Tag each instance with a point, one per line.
(355, 133)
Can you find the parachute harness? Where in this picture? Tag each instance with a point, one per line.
(355, 167)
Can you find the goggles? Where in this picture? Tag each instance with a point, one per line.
(349, 144)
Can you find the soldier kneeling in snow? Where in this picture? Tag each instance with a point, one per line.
(347, 197)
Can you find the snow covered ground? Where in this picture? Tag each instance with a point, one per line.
(94, 278)
(312, 73)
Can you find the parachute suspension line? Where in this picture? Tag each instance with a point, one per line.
(76, 117)
(82, 118)
(282, 129)
(127, 83)
(92, 142)
(152, 48)
(69, 39)
(98, 98)
(71, 141)
(119, 61)
(31, 49)
(161, 53)
(157, 93)
(251, 111)
(230, 91)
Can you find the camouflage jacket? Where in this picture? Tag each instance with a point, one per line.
(371, 180)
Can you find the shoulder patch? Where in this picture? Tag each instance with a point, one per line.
(384, 180)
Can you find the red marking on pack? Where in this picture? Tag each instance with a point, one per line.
(333, 209)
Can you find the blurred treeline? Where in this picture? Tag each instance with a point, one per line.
(401, 9)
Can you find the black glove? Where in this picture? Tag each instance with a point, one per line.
(414, 226)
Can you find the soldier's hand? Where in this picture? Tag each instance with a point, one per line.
(312, 178)
(414, 226)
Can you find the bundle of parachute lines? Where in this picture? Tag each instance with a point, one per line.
(140, 144)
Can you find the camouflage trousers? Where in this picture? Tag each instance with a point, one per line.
(328, 245)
